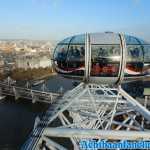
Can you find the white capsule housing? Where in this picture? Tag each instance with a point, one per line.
(103, 58)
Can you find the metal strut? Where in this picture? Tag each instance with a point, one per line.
(94, 112)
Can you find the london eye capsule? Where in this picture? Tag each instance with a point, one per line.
(103, 58)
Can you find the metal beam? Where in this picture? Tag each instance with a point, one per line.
(138, 107)
(96, 134)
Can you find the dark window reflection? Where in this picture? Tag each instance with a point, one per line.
(105, 60)
(78, 39)
(147, 53)
(69, 59)
(135, 60)
(131, 40)
(135, 53)
(75, 59)
(60, 56)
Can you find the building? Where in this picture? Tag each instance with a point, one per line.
(1, 66)
(32, 61)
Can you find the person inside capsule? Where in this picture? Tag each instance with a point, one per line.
(61, 58)
(73, 57)
(82, 50)
(104, 63)
(135, 60)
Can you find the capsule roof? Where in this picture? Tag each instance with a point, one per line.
(103, 38)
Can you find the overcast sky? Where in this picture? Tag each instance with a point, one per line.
(56, 19)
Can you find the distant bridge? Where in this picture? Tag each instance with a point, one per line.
(8, 87)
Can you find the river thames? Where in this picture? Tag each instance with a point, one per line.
(17, 117)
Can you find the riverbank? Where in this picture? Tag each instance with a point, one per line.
(31, 74)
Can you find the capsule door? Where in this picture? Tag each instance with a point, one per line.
(105, 61)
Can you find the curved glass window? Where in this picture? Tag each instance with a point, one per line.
(135, 53)
(61, 52)
(75, 59)
(69, 56)
(146, 68)
(79, 39)
(60, 56)
(105, 60)
(135, 60)
(66, 41)
(130, 40)
(104, 38)
(147, 53)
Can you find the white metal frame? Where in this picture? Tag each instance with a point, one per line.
(87, 57)
(97, 111)
(123, 60)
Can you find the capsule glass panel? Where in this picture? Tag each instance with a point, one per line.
(69, 56)
(75, 59)
(146, 68)
(147, 53)
(135, 57)
(60, 56)
(105, 60)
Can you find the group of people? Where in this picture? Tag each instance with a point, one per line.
(73, 52)
(135, 52)
(108, 52)
(99, 69)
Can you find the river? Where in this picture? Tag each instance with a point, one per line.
(17, 117)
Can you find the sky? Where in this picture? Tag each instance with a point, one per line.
(57, 19)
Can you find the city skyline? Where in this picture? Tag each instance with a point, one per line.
(56, 19)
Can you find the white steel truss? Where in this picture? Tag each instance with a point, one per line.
(93, 111)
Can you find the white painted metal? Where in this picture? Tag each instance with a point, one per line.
(96, 134)
(87, 57)
(8, 87)
(136, 105)
(27, 85)
(123, 58)
(15, 93)
(52, 144)
(123, 54)
(2, 97)
(97, 111)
